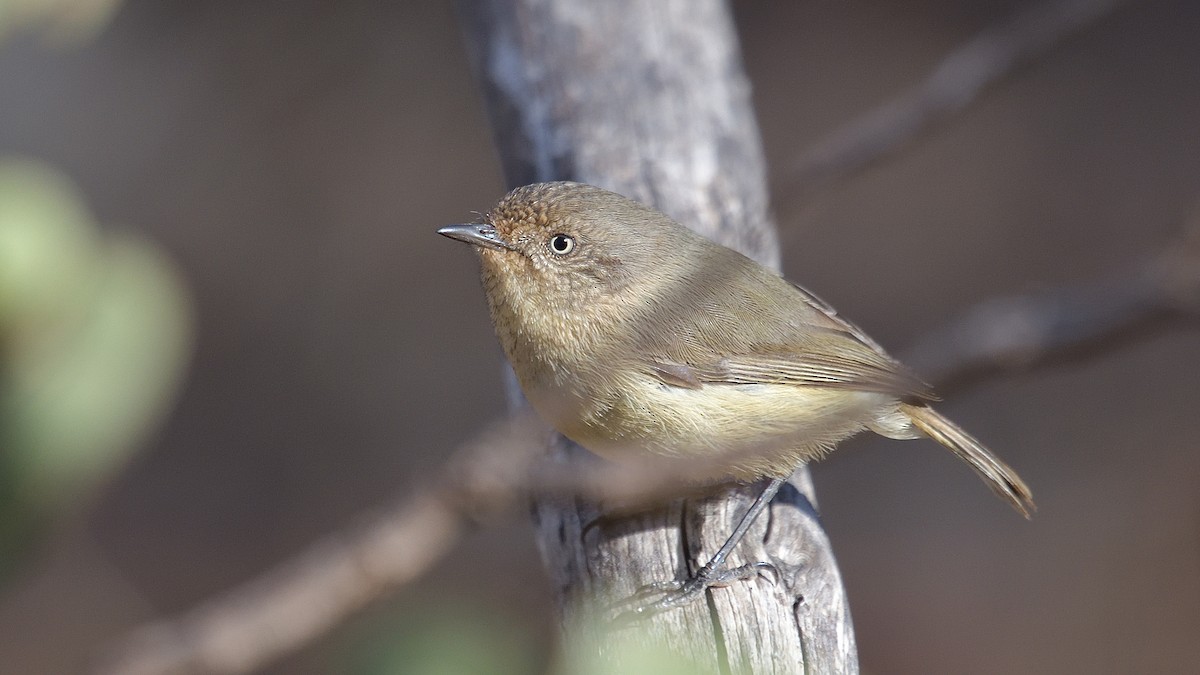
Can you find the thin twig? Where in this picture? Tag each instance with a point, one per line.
(303, 598)
(954, 85)
(298, 601)
(1065, 324)
(493, 476)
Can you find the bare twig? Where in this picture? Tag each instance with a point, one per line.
(955, 84)
(298, 601)
(1011, 334)
(492, 476)
(305, 597)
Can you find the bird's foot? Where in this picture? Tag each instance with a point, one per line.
(661, 596)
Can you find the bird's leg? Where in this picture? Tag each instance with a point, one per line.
(710, 572)
(679, 593)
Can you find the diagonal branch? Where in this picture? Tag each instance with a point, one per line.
(492, 476)
(955, 84)
(298, 601)
(1060, 325)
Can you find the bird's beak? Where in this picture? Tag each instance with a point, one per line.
(479, 234)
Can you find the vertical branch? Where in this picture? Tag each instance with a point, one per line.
(649, 98)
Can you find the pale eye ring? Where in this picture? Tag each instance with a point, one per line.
(561, 244)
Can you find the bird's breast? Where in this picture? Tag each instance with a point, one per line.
(760, 426)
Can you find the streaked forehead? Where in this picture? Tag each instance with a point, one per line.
(522, 206)
(542, 204)
(534, 206)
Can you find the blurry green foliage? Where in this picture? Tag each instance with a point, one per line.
(65, 22)
(461, 637)
(441, 641)
(94, 335)
(596, 648)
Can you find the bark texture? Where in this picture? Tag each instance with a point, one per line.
(649, 98)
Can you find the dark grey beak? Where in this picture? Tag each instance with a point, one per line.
(479, 234)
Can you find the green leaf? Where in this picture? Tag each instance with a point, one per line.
(440, 641)
(94, 336)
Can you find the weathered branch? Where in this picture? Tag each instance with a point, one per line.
(955, 84)
(649, 98)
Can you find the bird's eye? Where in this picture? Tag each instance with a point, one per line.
(561, 244)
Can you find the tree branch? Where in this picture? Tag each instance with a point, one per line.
(492, 476)
(957, 82)
(649, 98)
(298, 601)
(1060, 325)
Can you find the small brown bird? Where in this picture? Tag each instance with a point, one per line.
(635, 337)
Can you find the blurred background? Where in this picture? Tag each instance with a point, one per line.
(228, 328)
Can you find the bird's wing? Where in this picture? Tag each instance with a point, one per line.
(834, 368)
(821, 349)
(836, 321)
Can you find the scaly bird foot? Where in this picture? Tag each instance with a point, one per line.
(662, 596)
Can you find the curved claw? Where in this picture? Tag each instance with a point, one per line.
(675, 595)
(678, 593)
(753, 570)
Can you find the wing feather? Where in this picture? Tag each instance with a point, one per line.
(819, 348)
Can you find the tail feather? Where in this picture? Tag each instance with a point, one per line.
(1000, 478)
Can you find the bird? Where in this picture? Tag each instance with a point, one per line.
(640, 340)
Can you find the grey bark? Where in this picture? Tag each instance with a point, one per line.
(649, 98)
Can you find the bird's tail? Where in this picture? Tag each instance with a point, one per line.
(999, 477)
